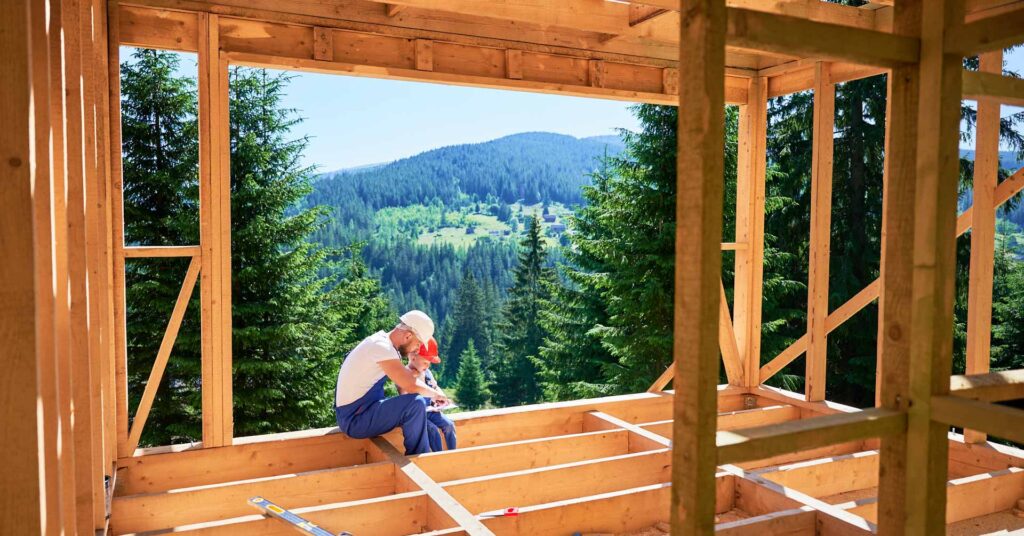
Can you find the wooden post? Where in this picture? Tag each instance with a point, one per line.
(22, 509)
(698, 264)
(78, 269)
(983, 233)
(214, 236)
(915, 327)
(749, 264)
(821, 232)
(61, 285)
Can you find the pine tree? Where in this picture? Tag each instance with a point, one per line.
(290, 323)
(515, 363)
(470, 386)
(160, 166)
(469, 323)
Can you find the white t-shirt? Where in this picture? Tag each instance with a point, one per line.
(361, 368)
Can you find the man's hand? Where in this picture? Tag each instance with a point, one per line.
(441, 401)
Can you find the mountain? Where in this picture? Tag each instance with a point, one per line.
(530, 167)
(1007, 159)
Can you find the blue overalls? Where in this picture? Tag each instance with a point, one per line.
(440, 422)
(373, 415)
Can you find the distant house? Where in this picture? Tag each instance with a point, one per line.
(558, 228)
(550, 218)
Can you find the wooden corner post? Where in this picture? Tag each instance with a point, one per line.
(749, 265)
(983, 232)
(821, 232)
(698, 264)
(215, 236)
(915, 324)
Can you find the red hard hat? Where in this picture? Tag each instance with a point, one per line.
(429, 351)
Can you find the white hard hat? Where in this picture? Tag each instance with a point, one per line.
(421, 324)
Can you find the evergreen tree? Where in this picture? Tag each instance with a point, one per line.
(470, 322)
(290, 323)
(515, 364)
(470, 386)
(160, 165)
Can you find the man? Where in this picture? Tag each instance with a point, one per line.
(440, 424)
(360, 407)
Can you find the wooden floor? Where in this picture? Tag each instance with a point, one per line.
(591, 466)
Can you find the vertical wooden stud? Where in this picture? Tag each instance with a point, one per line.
(215, 236)
(22, 509)
(514, 64)
(983, 233)
(323, 44)
(424, 55)
(749, 261)
(698, 264)
(670, 81)
(595, 68)
(919, 245)
(821, 232)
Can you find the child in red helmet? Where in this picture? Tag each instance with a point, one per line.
(438, 423)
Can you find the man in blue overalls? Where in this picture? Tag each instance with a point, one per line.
(360, 407)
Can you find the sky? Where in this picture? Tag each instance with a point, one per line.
(354, 121)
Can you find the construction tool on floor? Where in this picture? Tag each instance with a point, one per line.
(507, 512)
(297, 522)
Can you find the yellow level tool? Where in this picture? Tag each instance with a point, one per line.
(297, 522)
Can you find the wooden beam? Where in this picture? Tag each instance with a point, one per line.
(993, 87)
(983, 233)
(393, 10)
(441, 497)
(771, 440)
(918, 267)
(1001, 421)
(990, 386)
(214, 236)
(323, 44)
(424, 55)
(23, 508)
(639, 14)
(640, 438)
(698, 263)
(163, 354)
(727, 340)
(791, 35)
(821, 233)
(147, 252)
(987, 34)
(750, 195)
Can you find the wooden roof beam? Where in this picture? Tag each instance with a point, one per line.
(392, 9)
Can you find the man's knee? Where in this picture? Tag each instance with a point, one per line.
(416, 406)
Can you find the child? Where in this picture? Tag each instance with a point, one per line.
(440, 424)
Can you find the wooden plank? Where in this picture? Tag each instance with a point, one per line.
(595, 70)
(323, 44)
(992, 86)
(918, 268)
(424, 55)
(215, 237)
(61, 288)
(1002, 421)
(821, 233)
(698, 263)
(987, 34)
(727, 340)
(823, 477)
(518, 455)
(514, 64)
(156, 511)
(793, 522)
(750, 195)
(795, 36)
(983, 233)
(78, 268)
(640, 439)
(393, 10)
(990, 386)
(23, 510)
(984, 494)
(765, 441)
(733, 420)
(439, 495)
(163, 354)
(137, 252)
(158, 28)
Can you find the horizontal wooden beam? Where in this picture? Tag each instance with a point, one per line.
(990, 386)
(766, 441)
(791, 35)
(987, 34)
(795, 522)
(994, 419)
(990, 86)
(137, 252)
